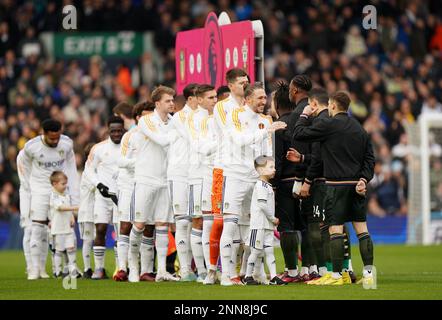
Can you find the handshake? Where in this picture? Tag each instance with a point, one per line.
(104, 190)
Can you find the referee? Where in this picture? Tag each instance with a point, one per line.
(348, 162)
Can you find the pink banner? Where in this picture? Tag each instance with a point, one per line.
(205, 55)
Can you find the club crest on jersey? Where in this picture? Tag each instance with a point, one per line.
(61, 153)
(261, 125)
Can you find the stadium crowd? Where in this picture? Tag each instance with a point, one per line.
(393, 73)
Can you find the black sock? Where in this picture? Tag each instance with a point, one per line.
(366, 248)
(314, 233)
(347, 244)
(337, 251)
(306, 249)
(289, 247)
(325, 236)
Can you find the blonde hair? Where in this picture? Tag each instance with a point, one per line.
(56, 176)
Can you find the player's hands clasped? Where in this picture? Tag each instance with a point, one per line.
(305, 190)
(361, 188)
(293, 155)
(104, 190)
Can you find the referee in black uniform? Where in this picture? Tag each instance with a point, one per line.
(348, 162)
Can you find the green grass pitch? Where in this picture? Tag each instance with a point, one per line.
(404, 272)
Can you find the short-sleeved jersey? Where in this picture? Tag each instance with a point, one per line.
(60, 220)
(262, 218)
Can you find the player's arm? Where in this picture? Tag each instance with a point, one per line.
(179, 123)
(73, 178)
(367, 169)
(150, 130)
(24, 166)
(262, 202)
(207, 143)
(315, 167)
(239, 137)
(67, 208)
(318, 131)
(125, 161)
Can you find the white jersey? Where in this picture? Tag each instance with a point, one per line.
(130, 144)
(262, 208)
(151, 160)
(208, 145)
(178, 164)
(23, 173)
(101, 165)
(248, 138)
(60, 220)
(87, 191)
(194, 121)
(41, 160)
(220, 114)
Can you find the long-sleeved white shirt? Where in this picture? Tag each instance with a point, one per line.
(87, 188)
(262, 208)
(23, 173)
(102, 163)
(178, 162)
(60, 220)
(40, 161)
(194, 121)
(208, 145)
(151, 160)
(130, 144)
(220, 114)
(248, 138)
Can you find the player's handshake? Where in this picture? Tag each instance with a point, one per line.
(277, 125)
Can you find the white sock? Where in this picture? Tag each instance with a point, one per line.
(189, 246)
(36, 236)
(99, 252)
(270, 261)
(226, 242)
(234, 258)
(134, 247)
(65, 262)
(304, 270)
(72, 258)
(147, 254)
(58, 261)
(162, 242)
(116, 253)
(259, 264)
(322, 271)
(350, 266)
(27, 246)
(368, 271)
(313, 268)
(245, 258)
(182, 244)
(123, 251)
(44, 247)
(294, 273)
(336, 275)
(251, 261)
(207, 228)
(197, 250)
(86, 253)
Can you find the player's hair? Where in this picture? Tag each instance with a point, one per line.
(342, 100)
(161, 90)
(56, 176)
(51, 125)
(123, 108)
(320, 95)
(139, 107)
(189, 90)
(221, 90)
(261, 161)
(250, 88)
(87, 149)
(114, 119)
(281, 97)
(202, 89)
(235, 73)
(302, 81)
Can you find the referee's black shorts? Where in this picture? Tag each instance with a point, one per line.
(287, 208)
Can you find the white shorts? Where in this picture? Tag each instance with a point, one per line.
(103, 209)
(86, 207)
(206, 196)
(116, 230)
(178, 193)
(260, 238)
(87, 230)
(64, 241)
(152, 204)
(39, 207)
(244, 233)
(125, 204)
(195, 193)
(237, 197)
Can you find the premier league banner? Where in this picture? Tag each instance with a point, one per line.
(205, 55)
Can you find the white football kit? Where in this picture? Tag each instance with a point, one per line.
(41, 160)
(101, 167)
(24, 192)
(86, 208)
(152, 203)
(61, 229)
